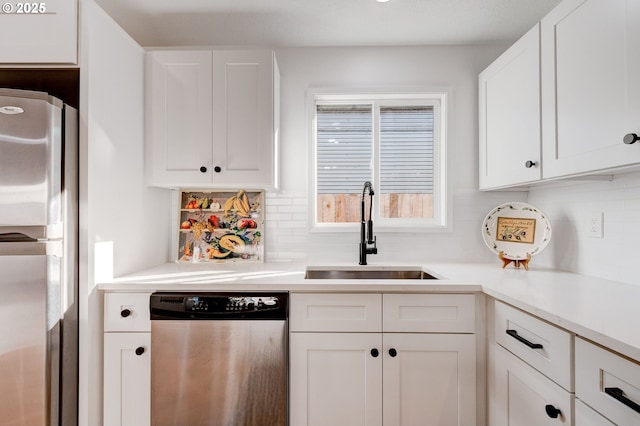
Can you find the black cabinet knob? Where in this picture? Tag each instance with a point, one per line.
(630, 138)
(552, 411)
(203, 169)
(529, 164)
(375, 353)
(217, 169)
(393, 352)
(125, 313)
(139, 350)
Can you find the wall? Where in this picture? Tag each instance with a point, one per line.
(287, 233)
(569, 208)
(120, 228)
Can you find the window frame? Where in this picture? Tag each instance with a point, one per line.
(437, 97)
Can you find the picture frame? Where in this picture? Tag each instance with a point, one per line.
(220, 226)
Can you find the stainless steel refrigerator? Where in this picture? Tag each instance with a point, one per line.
(38, 260)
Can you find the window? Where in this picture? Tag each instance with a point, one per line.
(395, 142)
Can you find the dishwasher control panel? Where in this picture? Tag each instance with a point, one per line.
(218, 306)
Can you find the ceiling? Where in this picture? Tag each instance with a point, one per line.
(288, 23)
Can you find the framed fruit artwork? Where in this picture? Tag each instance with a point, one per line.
(221, 226)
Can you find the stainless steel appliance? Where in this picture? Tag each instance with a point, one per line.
(219, 359)
(38, 242)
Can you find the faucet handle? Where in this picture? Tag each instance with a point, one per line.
(374, 249)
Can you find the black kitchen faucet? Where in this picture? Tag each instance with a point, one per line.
(370, 239)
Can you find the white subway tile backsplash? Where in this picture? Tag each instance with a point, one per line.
(291, 208)
(287, 233)
(569, 208)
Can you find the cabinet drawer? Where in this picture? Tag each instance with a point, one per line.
(585, 416)
(126, 312)
(543, 346)
(608, 382)
(524, 396)
(335, 312)
(441, 313)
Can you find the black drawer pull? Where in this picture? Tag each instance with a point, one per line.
(514, 334)
(375, 353)
(618, 395)
(139, 350)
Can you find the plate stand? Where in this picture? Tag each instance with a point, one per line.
(516, 262)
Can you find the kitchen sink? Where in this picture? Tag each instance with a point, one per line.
(368, 273)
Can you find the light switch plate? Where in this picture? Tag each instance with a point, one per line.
(596, 225)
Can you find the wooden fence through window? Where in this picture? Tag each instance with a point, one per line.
(340, 208)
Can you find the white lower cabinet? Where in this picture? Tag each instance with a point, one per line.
(376, 378)
(127, 360)
(530, 370)
(127, 379)
(335, 379)
(523, 396)
(586, 416)
(608, 382)
(429, 379)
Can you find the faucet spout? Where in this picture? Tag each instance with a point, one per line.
(366, 238)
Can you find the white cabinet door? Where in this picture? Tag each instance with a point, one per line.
(127, 379)
(179, 118)
(520, 395)
(243, 117)
(39, 32)
(429, 379)
(212, 118)
(591, 85)
(510, 115)
(336, 379)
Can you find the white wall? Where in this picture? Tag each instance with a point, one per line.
(457, 67)
(569, 208)
(120, 228)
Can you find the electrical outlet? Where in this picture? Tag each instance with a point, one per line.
(596, 228)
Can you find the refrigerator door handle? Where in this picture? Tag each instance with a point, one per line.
(33, 232)
(27, 248)
(13, 237)
(32, 248)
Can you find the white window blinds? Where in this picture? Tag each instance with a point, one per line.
(406, 150)
(344, 138)
(344, 147)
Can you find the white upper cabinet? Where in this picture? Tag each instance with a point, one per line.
(179, 108)
(245, 89)
(590, 86)
(572, 97)
(212, 118)
(509, 124)
(39, 32)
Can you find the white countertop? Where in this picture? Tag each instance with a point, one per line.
(606, 312)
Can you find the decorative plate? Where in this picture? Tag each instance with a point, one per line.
(516, 229)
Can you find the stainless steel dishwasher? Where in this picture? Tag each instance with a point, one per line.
(219, 359)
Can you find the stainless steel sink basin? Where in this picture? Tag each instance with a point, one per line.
(367, 273)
